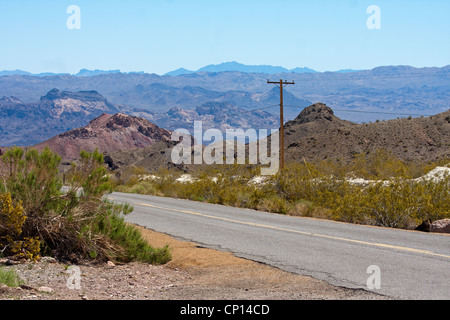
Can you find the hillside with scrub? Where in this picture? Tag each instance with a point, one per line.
(318, 134)
(376, 173)
(377, 189)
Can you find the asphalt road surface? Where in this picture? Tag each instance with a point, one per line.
(397, 263)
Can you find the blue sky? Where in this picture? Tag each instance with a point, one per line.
(157, 36)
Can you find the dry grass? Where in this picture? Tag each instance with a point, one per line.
(320, 190)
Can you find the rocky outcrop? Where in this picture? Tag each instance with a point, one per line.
(317, 134)
(438, 226)
(317, 112)
(107, 133)
(25, 124)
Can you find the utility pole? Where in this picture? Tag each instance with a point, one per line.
(281, 83)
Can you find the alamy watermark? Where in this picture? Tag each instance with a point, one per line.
(73, 22)
(374, 280)
(229, 149)
(374, 20)
(74, 280)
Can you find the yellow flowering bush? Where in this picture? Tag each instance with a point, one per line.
(12, 219)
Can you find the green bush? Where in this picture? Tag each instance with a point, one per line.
(10, 278)
(76, 222)
(320, 189)
(128, 239)
(12, 241)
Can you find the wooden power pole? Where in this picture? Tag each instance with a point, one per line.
(281, 83)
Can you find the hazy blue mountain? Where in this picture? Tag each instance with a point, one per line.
(239, 67)
(235, 66)
(15, 72)
(26, 73)
(96, 72)
(178, 72)
(81, 73)
(303, 70)
(158, 97)
(347, 70)
(90, 73)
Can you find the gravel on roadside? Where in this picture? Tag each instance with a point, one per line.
(194, 273)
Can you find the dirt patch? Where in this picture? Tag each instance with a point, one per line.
(194, 273)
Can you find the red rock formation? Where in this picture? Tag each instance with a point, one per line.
(107, 133)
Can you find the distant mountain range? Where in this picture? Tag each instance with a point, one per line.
(236, 66)
(315, 134)
(81, 73)
(26, 124)
(213, 115)
(222, 67)
(385, 92)
(161, 97)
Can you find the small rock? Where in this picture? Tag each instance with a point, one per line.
(110, 264)
(45, 289)
(48, 259)
(424, 226)
(26, 287)
(441, 226)
(10, 262)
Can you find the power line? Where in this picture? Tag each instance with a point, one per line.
(258, 109)
(341, 110)
(318, 76)
(281, 83)
(375, 112)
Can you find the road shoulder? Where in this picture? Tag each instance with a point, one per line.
(194, 273)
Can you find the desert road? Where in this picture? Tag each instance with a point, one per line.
(397, 263)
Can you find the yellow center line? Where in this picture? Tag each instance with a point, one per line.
(382, 245)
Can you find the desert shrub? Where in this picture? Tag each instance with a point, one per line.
(393, 202)
(306, 208)
(74, 222)
(33, 181)
(433, 198)
(10, 278)
(226, 190)
(379, 164)
(12, 243)
(321, 189)
(396, 203)
(276, 204)
(130, 245)
(141, 187)
(130, 176)
(391, 205)
(256, 196)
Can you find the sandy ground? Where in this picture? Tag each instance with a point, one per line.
(194, 273)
